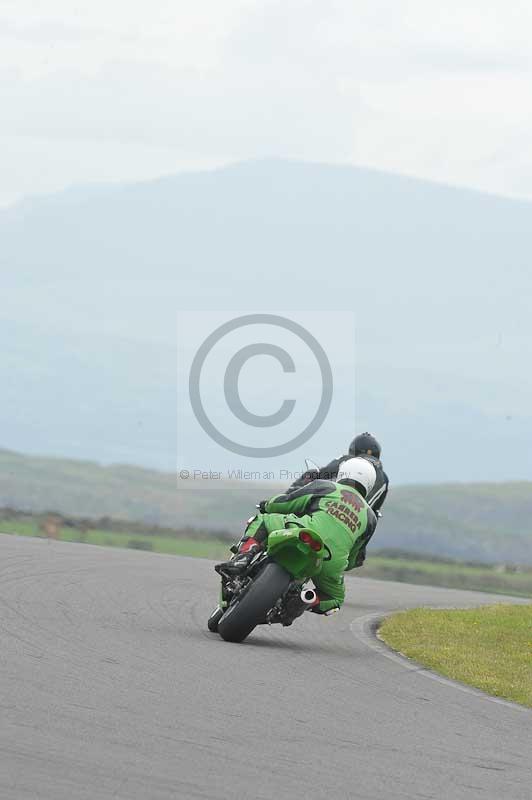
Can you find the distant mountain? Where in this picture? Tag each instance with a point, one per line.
(481, 522)
(439, 279)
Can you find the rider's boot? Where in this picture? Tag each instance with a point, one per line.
(246, 552)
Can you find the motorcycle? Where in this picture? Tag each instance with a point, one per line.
(270, 588)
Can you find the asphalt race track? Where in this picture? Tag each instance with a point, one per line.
(112, 687)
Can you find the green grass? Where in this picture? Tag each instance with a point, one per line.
(451, 575)
(179, 546)
(489, 647)
(414, 570)
(19, 528)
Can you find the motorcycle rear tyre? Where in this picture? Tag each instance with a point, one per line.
(250, 610)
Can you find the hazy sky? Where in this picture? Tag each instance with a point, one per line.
(116, 90)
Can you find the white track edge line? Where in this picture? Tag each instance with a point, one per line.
(364, 629)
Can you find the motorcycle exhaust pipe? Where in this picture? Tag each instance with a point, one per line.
(308, 596)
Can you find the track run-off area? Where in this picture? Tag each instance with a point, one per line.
(111, 686)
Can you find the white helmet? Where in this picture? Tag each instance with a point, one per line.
(360, 471)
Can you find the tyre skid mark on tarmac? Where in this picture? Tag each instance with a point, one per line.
(161, 708)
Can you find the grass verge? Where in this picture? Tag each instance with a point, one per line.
(452, 575)
(178, 546)
(489, 647)
(437, 572)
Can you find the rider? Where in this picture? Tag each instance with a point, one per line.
(335, 510)
(366, 446)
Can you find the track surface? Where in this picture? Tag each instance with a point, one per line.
(111, 687)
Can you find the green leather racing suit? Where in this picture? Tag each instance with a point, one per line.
(338, 513)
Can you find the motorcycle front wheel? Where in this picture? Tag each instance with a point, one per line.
(214, 619)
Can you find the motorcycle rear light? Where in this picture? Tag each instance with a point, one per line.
(306, 538)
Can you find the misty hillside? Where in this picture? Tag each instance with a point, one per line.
(483, 522)
(439, 279)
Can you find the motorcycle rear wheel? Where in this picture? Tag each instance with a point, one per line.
(250, 610)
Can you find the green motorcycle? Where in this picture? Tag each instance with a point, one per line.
(270, 588)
